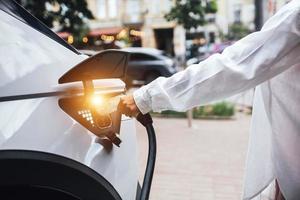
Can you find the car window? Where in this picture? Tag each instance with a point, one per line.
(141, 57)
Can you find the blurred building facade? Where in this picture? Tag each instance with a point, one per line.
(235, 11)
(116, 20)
(142, 23)
(270, 7)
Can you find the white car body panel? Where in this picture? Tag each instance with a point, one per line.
(31, 62)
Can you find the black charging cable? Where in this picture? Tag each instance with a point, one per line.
(147, 122)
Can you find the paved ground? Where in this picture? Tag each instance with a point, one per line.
(200, 163)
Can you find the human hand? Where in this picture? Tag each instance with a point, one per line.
(128, 106)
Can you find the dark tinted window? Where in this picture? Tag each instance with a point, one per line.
(141, 57)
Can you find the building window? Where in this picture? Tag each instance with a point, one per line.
(158, 7)
(107, 9)
(155, 7)
(166, 6)
(112, 8)
(101, 9)
(133, 10)
(237, 13)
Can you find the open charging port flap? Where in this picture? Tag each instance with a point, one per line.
(94, 110)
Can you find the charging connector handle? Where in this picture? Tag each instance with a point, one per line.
(147, 122)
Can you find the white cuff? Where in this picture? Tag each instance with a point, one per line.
(142, 100)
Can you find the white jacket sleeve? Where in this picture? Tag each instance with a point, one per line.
(249, 62)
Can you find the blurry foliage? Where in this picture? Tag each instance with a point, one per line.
(171, 113)
(70, 15)
(223, 109)
(237, 31)
(191, 13)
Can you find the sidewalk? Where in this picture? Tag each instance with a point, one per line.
(204, 162)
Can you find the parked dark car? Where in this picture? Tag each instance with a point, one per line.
(146, 64)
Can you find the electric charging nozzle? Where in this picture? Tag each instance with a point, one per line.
(144, 119)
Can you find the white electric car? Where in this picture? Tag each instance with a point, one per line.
(44, 151)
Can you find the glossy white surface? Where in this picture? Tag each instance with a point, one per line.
(30, 57)
(31, 62)
(100, 86)
(41, 125)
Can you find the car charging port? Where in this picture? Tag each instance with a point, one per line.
(96, 108)
(96, 112)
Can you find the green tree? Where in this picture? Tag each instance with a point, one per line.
(237, 31)
(191, 13)
(69, 15)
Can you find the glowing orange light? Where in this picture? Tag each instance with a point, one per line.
(70, 39)
(97, 100)
(107, 38)
(136, 33)
(85, 39)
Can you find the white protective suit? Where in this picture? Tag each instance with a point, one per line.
(268, 60)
